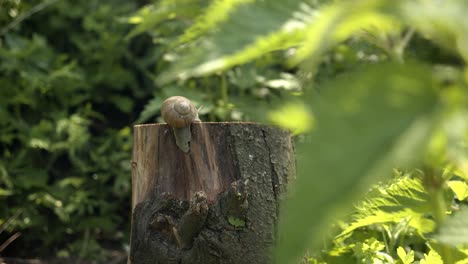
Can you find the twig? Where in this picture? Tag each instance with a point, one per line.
(9, 240)
(26, 15)
(400, 49)
(7, 223)
(406, 38)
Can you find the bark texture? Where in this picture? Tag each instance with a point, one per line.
(216, 204)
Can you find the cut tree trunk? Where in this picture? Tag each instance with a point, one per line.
(216, 204)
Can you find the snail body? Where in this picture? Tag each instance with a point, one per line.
(179, 112)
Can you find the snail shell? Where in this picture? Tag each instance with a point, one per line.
(179, 112)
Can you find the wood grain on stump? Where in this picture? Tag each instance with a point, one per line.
(216, 204)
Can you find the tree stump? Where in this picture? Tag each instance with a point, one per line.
(216, 204)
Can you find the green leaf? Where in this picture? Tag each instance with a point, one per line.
(454, 231)
(32, 177)
(4, 192)
(370, 251)
(76, 182)
(406, 258)
(237, 222)
(432, 258)
(4, 177)
(124, 103)
(460, 188)
(366, 124)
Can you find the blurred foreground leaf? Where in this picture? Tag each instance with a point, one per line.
(454, 231)
(365, 124)
(295, 117)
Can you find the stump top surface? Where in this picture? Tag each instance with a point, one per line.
(206, 123)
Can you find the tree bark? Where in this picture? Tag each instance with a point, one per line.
(216, 204)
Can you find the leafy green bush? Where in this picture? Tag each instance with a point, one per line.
(69, 90)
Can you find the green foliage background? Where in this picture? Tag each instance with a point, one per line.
(370, 86)
(69, 90)
(74, 77)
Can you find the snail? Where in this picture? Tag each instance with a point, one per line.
(179, 113)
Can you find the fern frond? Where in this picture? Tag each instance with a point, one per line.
(404, 199)
(148, 17)
(239, 31)
(150, 110)
(276, 41)
(339, 22)
(215, 14)
(251, 31)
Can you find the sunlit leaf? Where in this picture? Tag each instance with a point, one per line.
(432, 258)
(4, 192)
(460, 188)
(295, 117)
(71, 181)
(406, 258)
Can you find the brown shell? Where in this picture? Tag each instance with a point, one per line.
(178, 111)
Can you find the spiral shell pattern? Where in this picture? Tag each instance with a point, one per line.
(178, 111)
